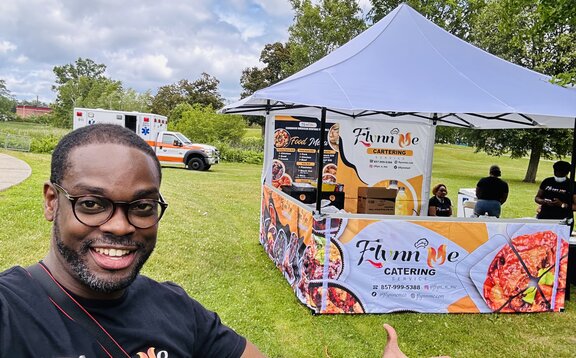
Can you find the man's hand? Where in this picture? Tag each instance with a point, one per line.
(392, 350)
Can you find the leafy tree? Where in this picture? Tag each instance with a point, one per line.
(115, 97)
(83, 84)
(7, 102)
(455, 16)
(203, 91)
(539, 35)
(176, 114)
(320, 29)
(252, 79)
(81, 68)
(100, 93)
(130, 100)
(276, 58)
(28, 102)
(80, 84)
(202, 124)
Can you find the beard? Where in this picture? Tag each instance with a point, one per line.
(76, 260)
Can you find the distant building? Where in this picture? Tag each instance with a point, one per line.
(28, 111)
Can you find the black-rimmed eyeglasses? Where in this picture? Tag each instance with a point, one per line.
(95, 210)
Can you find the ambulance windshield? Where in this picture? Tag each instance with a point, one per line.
(183, 138)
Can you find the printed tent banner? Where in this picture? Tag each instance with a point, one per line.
(361, 153)
(343, 264)
(375, 153)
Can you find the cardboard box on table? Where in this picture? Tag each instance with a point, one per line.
(376, 200)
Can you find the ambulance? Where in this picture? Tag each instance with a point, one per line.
(172, 148)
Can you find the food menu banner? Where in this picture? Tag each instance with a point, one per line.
(296, 151)
(348, 265)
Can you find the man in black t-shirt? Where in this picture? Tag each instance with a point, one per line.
(491, 193)
(554, 194)
(104, 201)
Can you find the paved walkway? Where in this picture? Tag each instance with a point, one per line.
(12, 171)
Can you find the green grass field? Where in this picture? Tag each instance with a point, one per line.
(208, 243)
(31, 129)
(253, 132)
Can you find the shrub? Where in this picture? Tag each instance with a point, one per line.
(240, 155)
(202, 124)
(45, 144)
(254, 144)
(38, 119)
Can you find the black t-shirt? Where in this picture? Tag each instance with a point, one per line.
(150, 315)
(442, 207)
(491, 188)
(552, 190)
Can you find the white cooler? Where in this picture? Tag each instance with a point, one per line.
(466, 201)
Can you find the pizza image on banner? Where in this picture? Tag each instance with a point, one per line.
(521, 276)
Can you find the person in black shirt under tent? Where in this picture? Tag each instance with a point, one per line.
(491, 192)
(439, 204)
(554, 195)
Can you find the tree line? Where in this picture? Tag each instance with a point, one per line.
(537, 34)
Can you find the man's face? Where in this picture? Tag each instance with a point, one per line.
(106, 258)
(560, 173)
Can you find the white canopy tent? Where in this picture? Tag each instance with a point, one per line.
(406, 67)
(407, 64)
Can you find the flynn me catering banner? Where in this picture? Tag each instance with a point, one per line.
(347, 265)
(384, 154)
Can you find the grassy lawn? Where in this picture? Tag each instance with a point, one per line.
(208, 243)
(253, 132)
(30, 129)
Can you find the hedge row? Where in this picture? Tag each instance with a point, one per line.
(249, 150)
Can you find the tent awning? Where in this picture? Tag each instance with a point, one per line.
(405, 64)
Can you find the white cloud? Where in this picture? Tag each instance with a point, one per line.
(130, 65)
(145, 44)
(31, 85)
(248, 28)
(365, 5)
(20, 60)
(6, 46)
(275, 7)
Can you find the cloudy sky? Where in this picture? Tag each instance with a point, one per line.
(144, 43)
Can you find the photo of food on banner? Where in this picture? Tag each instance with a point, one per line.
(279, 234)
(320, 266)
(285, 227)
(521, 275)
(294, 167)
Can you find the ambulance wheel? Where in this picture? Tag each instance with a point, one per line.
(207, 167)
(196, 164)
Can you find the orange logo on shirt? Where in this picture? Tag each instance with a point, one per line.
(152, 354)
